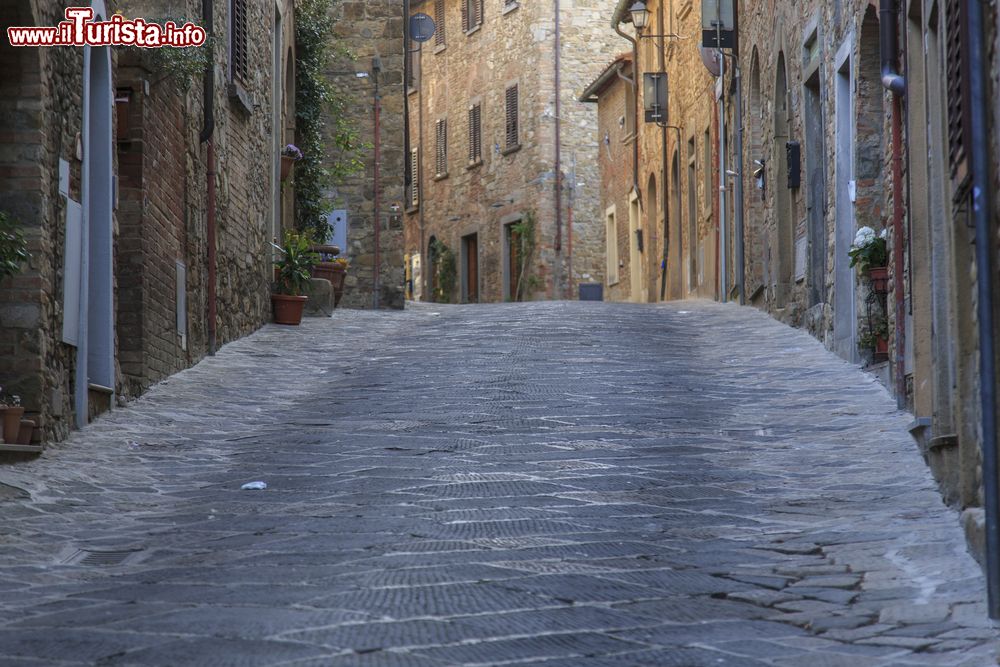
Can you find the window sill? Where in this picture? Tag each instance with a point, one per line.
(473, 30)
(615, 282)
(629, 138)
(239, 96)
(511, 149)
(412, 210)
(440, 177)
(509, 8)
(440, 48)
(412, 91)
(474, 165)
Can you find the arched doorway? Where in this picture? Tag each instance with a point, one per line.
(676, 249)
(95, 370)
(432, 268)
(650, 288)
(784, 224)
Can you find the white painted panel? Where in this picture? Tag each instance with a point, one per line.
(801, 246)
(338, 230)
(72, 256)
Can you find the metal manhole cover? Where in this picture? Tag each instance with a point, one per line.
(100, 558)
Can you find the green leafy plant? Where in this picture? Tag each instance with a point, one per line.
(184, 65)
(523, 236)
(13, 247)
(445, 268)
(879, 331)
(295, 265)
(869, 249)
(326, 135)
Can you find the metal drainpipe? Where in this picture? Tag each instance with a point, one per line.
(740, 258)
(895, 83)
(664, 196)
(558, 141)
(406, 120)
(208, 128)
(635, 96)
(377, 186)
(982, 213)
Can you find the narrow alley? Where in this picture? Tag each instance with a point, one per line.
(559, 484)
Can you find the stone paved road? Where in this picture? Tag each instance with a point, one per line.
(567, 485)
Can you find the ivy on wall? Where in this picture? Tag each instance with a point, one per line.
(445, 267)
(330, 143)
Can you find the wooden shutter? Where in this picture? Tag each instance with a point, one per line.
(477, 8)
(415, 182)
(511, 117)
(465, 15)
(475, 134)
(441, 153)
(958, 92)
(440, 32)
(238, 47)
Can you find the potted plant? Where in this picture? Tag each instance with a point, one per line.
(12, 412)
(290, 154)
(294, 272)
(870, 253)
(877, 340)
(338, 269)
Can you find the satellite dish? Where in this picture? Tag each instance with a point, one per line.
(421, 27)
(711, 59)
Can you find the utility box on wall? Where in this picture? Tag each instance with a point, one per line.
(338, 230)
(794, 153)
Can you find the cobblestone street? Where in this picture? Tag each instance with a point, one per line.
(557, 484)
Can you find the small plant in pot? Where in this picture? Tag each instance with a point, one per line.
(290, 154)
(877, 340)
(12, 411)
(294, 271)
(870, 253)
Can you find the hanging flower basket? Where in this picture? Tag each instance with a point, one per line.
(290, 154)
(879, 276)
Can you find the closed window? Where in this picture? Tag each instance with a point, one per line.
(441, 152)
(239, 41)
(440, 33)
(707, 171)
(415, 177)
(472, 14)
(958, 92)
(511, 124)
(475, 134)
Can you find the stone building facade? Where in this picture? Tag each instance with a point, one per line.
(371, 31)
(501, 183)
(668, 216)
(107, 171)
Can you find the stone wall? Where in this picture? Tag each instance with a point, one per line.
(372, 29)
(482, 199)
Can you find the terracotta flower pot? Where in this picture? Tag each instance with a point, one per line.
(879, 275)
(26, 431)
(287, 163)
(12, 423)
(288, 309)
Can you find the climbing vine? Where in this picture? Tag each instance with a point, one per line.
(445, 269)
(523, 242)
(326, 135)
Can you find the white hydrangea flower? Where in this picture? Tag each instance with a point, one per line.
(885, 233)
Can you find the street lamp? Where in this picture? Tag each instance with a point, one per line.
(640, 15)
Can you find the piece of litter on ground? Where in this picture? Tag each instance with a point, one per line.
(254, 486)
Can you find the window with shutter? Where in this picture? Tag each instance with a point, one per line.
(441, 153)
(475, 134)
(238, 40)
(440, 34)
(511, 118)
(472, 14)
(415, 178)
(958, 94)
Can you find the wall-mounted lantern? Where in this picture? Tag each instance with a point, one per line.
(654, 97)
(640, 15)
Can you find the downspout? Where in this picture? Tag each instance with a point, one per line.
(558, 142)
(664, 197)
(208, 128)
(982, 213)
(895, 83)
(406, 115)
(740, 256)
(377, 187)
(632, 82)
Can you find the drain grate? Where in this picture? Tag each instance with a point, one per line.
(100, 558)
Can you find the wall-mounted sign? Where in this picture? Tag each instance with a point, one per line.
(719, 24)
(654, 97)
(421, 27)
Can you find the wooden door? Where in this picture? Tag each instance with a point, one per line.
(471, 251)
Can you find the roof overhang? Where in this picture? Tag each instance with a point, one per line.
(610, 73)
